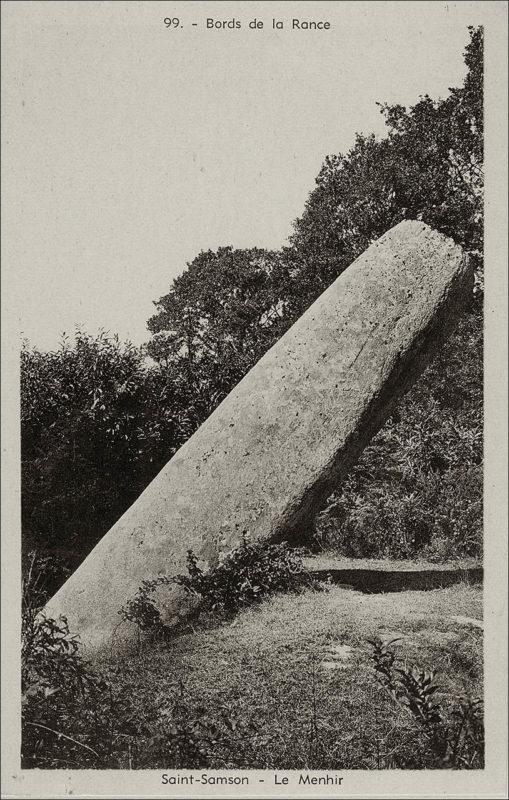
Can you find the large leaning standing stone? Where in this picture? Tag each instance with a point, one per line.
(289, 431)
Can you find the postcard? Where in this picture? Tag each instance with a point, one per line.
(254, 405)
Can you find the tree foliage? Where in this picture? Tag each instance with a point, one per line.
(429, 167)
(97, 424)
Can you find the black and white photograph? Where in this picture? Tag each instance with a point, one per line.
(254, 399)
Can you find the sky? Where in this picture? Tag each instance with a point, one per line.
(129, 147)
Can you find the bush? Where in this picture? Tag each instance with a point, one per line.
(97, 424)
(65, 715)
(244, 577)
(142, 610)
(455, 736)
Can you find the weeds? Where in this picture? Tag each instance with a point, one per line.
(455, 737)
(245, 576)
(142, 610)
(63, 702)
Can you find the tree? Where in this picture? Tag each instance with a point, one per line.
(84, 411)
(219, 316)
(429, 168)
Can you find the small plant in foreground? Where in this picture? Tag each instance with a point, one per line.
(63, 714)
(455, 739)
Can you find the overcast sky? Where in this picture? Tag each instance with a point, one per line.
(128, 147)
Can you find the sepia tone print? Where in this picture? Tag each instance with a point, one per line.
(252, 523)
(99, 421)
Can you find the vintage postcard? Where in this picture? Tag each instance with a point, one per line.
(254, 406)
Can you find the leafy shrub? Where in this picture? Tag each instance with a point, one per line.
(245, 576)
(65, 713)
(97, 424)
(141, 609)
(63, 703)
(455, 737)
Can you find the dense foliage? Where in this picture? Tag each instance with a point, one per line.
(97, 425)
(247, 575)
(417, 488)
(99, 418)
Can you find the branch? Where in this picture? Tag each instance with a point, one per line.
(57, 733)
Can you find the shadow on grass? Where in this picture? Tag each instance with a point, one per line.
(373, 581)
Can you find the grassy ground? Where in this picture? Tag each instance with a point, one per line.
(290, 683)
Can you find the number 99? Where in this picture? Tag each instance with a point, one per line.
(172, 22)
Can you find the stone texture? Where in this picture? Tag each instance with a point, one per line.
(287, 434)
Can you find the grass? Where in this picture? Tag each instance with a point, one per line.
(289, 684)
